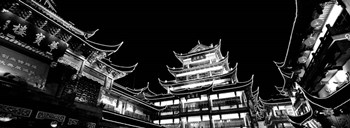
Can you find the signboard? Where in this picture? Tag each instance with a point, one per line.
(19, 29)
(32, 70)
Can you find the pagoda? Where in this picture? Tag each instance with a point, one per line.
(205, 92)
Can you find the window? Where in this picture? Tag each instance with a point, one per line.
(199, 64)
(216, 72)
(226, 101)
(182, 78)
(191, 77)
(200, 57)
(203, 75)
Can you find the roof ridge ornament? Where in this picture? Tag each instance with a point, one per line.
(89, 34)
(50, 4)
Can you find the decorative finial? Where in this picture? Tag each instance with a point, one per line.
(90, 34)
(199, 42)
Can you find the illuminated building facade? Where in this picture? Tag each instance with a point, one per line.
(205, 93)
(125, 107)
(316, 66)
(52, 74)
(276, 112)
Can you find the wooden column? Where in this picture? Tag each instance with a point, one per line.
(211, 122)
(181, 107)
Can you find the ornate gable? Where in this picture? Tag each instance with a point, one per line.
(200, 47)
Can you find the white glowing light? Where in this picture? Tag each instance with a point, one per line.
(54, 124)
(5, 119)
(200, 71)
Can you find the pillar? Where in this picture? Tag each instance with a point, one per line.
(210, 104)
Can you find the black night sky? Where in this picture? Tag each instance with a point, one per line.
(255, 33)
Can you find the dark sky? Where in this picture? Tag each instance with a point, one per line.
(255, 33)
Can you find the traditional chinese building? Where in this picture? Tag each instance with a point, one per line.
(274, 111)
(316, 65)
(126, 107)
(205, 92)
(52, 74)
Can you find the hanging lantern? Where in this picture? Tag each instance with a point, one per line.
(310, 41)
(347, 36)
(53, 64)
(306, 53)
(74, 76)
(317, 23)
(54, 124)
(302, 59)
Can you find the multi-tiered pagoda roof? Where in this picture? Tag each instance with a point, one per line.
(232, 73)
(224, 81)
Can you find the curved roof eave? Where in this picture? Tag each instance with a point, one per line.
(285, 77)
(232, 72)
(169, 70)
(165, 82)
(137, 100)
(192, 90)
(121, 69)
(300, 120)
(176, 70)
(159, 97)
(176, 55)
(127, 69)
(105, 47)
(233, 86)
(149, 90)
(134, 91)
(337, 98)
(88, 35)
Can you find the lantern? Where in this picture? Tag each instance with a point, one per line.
(306, 53)
(317, 23)
(302, 59)
(54, 124)
(310, 41)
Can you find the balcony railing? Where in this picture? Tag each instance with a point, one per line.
(202, 124)
(226, 101)
(229, 123)
(127, 113)
(174, 125)
(137, 116)
(197, 106)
